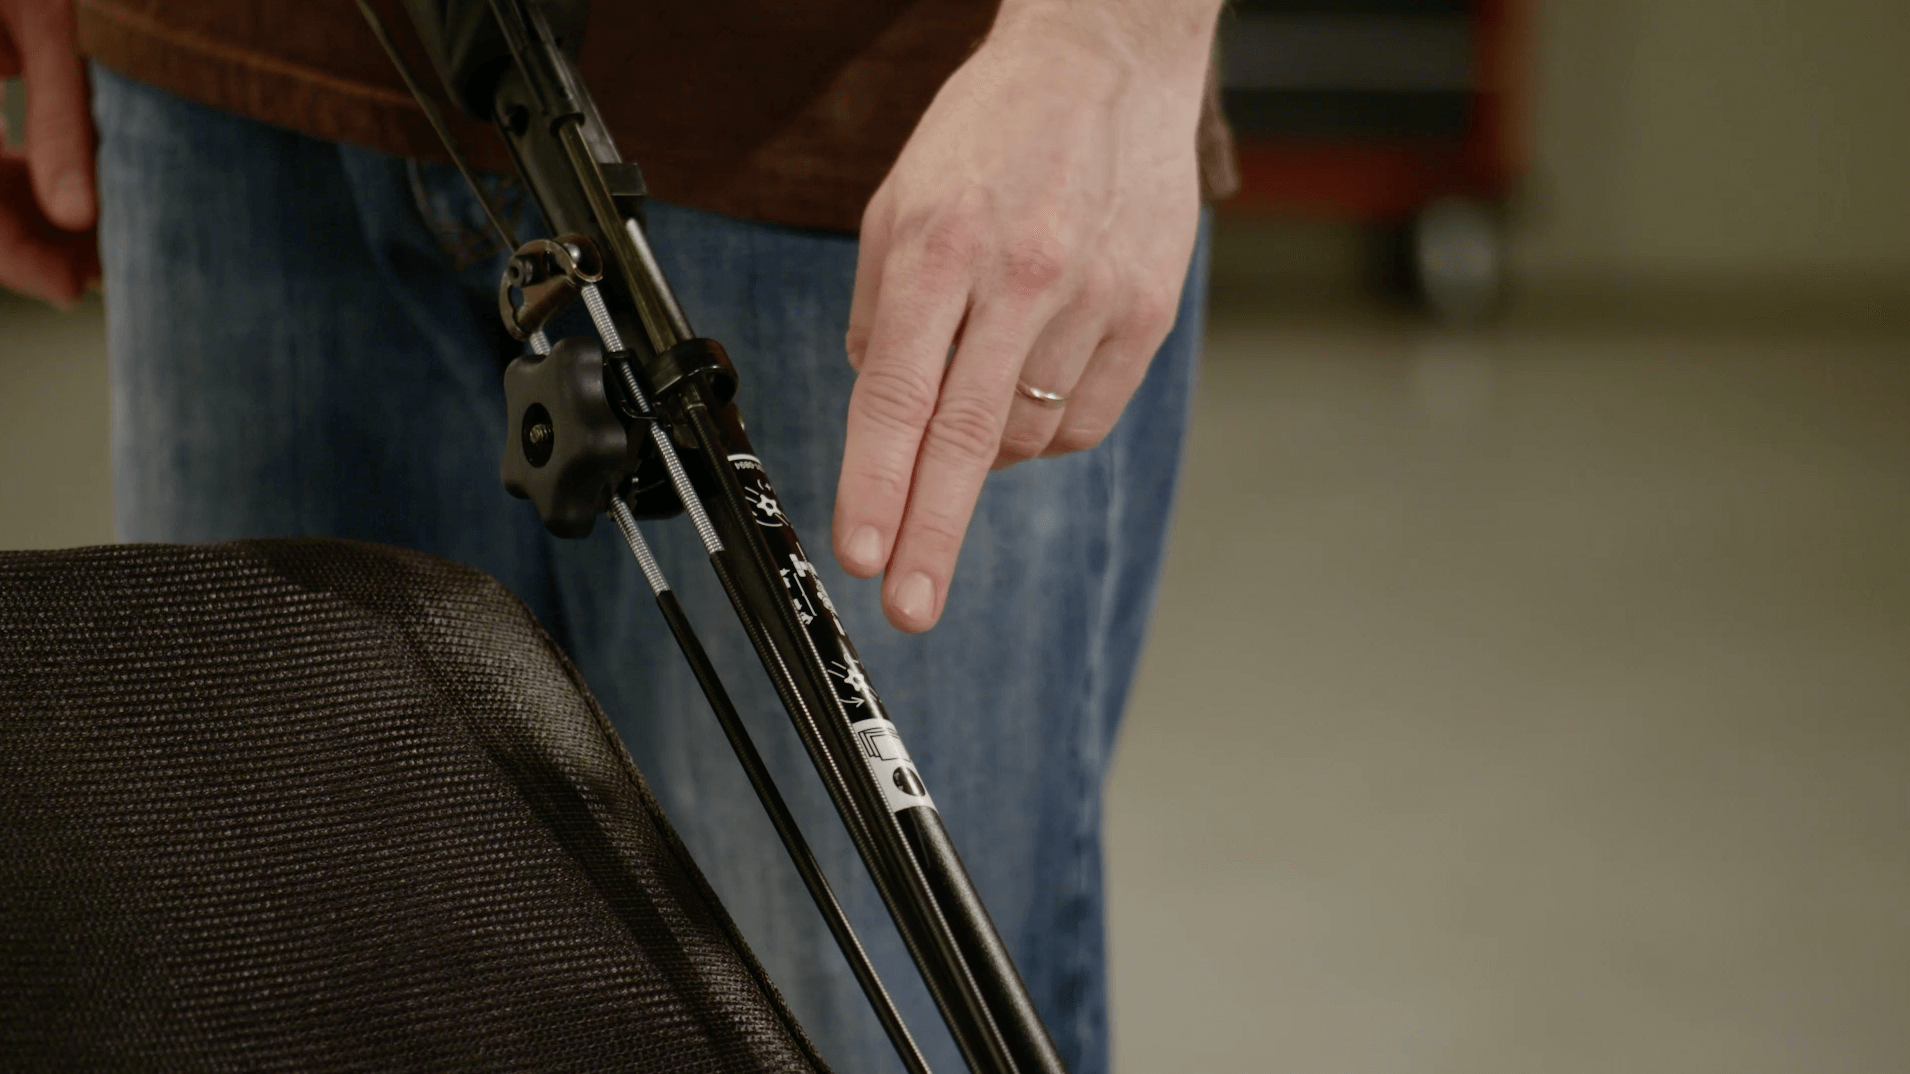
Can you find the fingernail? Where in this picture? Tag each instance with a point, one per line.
(865, 548)
(915, 597)
(72, 205)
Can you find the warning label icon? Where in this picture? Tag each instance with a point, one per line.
(888, 761)
(909, 783)
(881, 742)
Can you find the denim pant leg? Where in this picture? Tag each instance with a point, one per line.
(287, 357)
(1010, 706)
(304, 342)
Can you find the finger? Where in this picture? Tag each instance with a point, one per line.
(872, 252)
(45, 272)
(1054, 365)
(37, 258)
(1111, 378)
(924, 294)
(59, 127)
(962, 439)
(1098, 400)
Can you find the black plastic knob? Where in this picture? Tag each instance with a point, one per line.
(564, 447)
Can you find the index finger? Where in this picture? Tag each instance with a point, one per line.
(923, 295)
(955, 456)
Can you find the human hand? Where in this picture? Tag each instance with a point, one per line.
(1036, 228)
(48, 209)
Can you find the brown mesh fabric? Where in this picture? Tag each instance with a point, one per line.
(305, 805)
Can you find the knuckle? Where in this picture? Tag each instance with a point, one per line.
(1151, 312)
(934, 539)
(1019, 448)
(939, 534)
(965, 428)
(1034, 266)
(951, 241)
(882, 485)
(894, 398)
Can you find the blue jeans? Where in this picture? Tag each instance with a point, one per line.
(305, 340)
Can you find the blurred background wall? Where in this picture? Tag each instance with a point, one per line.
(1674, 151)
(1718, 144)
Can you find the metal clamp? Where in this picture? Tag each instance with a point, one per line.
(692, 358)
(543, 277)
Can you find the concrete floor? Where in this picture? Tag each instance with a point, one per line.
(1533, 700)
(1530, 700)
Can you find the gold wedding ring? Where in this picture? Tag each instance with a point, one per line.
(1051, 400)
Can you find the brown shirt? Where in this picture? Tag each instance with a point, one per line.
(778, 111)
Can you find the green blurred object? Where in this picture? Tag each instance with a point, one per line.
(13, 108)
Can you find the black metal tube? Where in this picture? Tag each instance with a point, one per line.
(985, 964)
(988, 958)
(972, 1018)
(791, 835)
(560, 148)
(663, 319)
(902, 910)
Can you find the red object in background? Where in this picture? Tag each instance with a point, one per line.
(1389, 182)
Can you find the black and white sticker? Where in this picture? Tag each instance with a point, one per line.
(877, 739)
(881, 746)
(756, 491)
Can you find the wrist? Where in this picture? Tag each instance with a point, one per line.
(1163, 40)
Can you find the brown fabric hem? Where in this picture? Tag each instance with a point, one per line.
(322, 106)
(320, 103)
(212, 73)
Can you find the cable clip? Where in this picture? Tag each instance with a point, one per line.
(543, 277)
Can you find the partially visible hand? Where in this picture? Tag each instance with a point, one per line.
(1037, 227)
(48, 208)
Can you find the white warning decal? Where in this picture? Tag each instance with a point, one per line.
(881, 746)
(852, 686)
